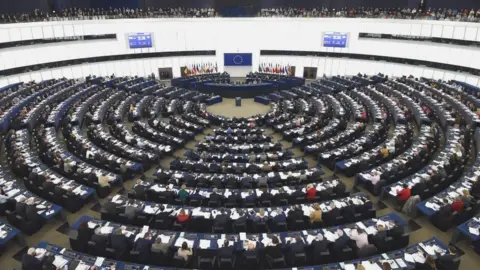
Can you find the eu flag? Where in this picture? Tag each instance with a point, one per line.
(237, 59)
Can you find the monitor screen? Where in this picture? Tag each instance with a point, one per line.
(140, 40)
(335, 39)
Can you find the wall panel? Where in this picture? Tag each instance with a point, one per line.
(238, 35)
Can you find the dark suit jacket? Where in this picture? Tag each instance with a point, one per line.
(447, 260)
(139, 191)
(84, 234)
(221, 220)
(20, 208)
(379, 237)
(217, 182)
(279, 218)
(48, 186)
(340, 243)
(31, 213)
(297, 193)
(120, 243)
(250, 253)
(297, 248)
(266, 197)
(110, 207)
(143, 245)
(319, 246)
(334, 213)
(214, 197)
(296, 214)
(274, 251)
(278, 197)
(29, 262)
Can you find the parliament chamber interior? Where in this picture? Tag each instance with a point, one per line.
(253, 134)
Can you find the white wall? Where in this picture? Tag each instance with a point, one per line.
(240, 34)
(140, 67)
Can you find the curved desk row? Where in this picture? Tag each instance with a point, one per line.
(241, 90)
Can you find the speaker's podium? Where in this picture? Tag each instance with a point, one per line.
(238, 101)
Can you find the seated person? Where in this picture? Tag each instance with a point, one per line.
(119, 242)
(221, 220)
(316, 216)
(225, 251)
(143, 245)
(215, 197)
(296, 213)
(386, 266)
(380, 236)
(384, 151)
(279, 217)
(447, 259)
(457, 205)
(311, 192)
(476, 188)
(84, 233)
(30, 261)
(360, 238)
(182, 217)
(296, 246)
(260, 216)
(319, 244)
(467, 199)
(3, 197)
(184, 251)
(104, 180)
(266, 196)
(404, 193)
(251, 250)
(183, 193)
(429, 264)
(160, 247)
(274, 248)
(131, 210)
(340, 243)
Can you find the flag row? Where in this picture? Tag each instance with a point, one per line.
(197, 69)
(276, 69)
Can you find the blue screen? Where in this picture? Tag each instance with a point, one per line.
(237, 59)
(338, 40)
(140, 40)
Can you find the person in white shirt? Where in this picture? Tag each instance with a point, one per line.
(373, 177)
(360, 237)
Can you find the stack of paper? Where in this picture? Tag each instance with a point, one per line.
(59, 261)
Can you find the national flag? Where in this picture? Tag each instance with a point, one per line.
(216, 67)
(186, 71)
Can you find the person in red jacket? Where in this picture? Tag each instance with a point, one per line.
(457, 205)
(182, 217)
(404, 193)
(311, 192)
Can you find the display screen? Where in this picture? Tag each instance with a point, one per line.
(338, 40)
(140, 40)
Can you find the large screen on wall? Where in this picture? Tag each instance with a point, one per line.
(335, 39)
(140, 40)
